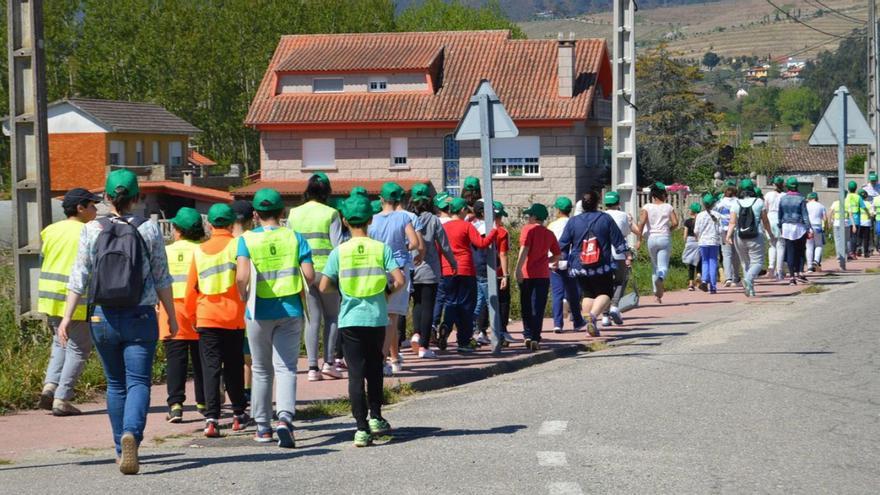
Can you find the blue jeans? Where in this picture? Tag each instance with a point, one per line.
(564, 287)
(482, 296)
(460, 299)
(533, 299)
(440, 302)
(658, 249)
(125, 339)
(709, 257)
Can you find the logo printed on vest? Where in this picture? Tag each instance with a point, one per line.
(180, 257)
(272, 249)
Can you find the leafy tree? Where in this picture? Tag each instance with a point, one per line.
(711, 59)
(856, 164)
(440, 15)
(675, 125)
(844, 67)
(759, 110)
(797, 106)
(765, 159)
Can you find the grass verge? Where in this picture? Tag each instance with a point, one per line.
(814, 289)
(342, 407)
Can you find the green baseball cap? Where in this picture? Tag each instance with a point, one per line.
(730, 183)
(457, 205)
(122, 181)
(778, 180)
(791, 183)
(538, 211)
(563, 204)
(708, 199)
(872, 176)
(186, 218)
(812, 195)
(660, 185)
(358, 191)
(441, 201)
(391, 191)
(611, 198)
(357, 210)
(498, 209)
(758, 192)
(338, 204)
(746, 184)
(851, 186)
(695, 207)
(376, 206)
(863, 193)
(471, 183)
(221, 215)
(322, 177)
(268, 200)
(420, 191)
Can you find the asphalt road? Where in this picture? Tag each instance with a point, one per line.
(778, 396)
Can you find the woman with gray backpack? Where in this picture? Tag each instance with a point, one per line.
(122, 269)
(748, 222)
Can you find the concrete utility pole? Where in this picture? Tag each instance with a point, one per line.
(624, 179)
(873, 86)
(29, 148)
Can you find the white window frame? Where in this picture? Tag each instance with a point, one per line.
(117, 152)
(399, 152)
(340, 79)
(517, 157)
(175, 160)
(319, 154)
(138, 152)
(380, 83)
(157, 157)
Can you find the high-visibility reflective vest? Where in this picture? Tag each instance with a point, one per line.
(852, 205)
(275, 254)
(312, 221)
(876, 203)
(180, 255)
(362, 267)
(216, 272)
(60, 245)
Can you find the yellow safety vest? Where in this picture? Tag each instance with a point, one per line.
(362, 267)
(60, 246)
(275, 254)
(876, 203)
(312, 221)
(180, 256)
(216, 272)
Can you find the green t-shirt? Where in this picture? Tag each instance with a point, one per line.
(356, 311)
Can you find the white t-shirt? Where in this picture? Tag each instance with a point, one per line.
(707, 228)
(771, 200)
(817, 213)
(658, 218)
(623, 221)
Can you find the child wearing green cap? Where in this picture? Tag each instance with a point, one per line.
(539, 249)
(707, 229)
(729, 258)
(660, 219)
(366, 274)
(624, 222)
(563, 289)
(794, 225)
(776, 250)
(690, 256)
(748, 225)
(816, 242)
(183, 348)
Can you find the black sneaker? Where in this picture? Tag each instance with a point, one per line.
(443, 337)
(175, 413)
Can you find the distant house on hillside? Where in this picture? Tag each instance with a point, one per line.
(757, 72)
(367, 108)
(816, 169)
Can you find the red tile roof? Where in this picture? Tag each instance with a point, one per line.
(180, 190)
(816, 158)
(359, 53)
(199, 160)
(297, 187)
(522, 72)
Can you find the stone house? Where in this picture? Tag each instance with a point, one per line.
(368, 108)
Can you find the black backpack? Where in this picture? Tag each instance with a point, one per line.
(120, 254)
(746, 223)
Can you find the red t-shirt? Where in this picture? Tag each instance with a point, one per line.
(462, 236)
(540, 240)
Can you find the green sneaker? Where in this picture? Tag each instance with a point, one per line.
(362, 438)
(379, 426)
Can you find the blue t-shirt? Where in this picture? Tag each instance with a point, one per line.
(360, 311)
(390, 228)
(278, 307)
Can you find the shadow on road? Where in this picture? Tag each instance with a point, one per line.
(185, 464)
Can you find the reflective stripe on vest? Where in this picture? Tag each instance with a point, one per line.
(275, 254)
(216, 272)
(312, 221)
(60, 246)
(180, 255)
(362, 267)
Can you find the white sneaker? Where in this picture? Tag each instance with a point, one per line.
(483, 339)
(509, 338)
(339, 364)
(414, 341)
(606, 321)
(614, 313)
(425, 353)
(331, 371)
(315, 376)
(396, 367)
(387, 370)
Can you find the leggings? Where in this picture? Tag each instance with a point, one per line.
(322, 307)
(709, 272)
(865, 239)
(692, 271)
(795, 251)
(658, 248)
(423, 311)
(363, 353)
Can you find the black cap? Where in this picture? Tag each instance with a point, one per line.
(79, 196)
(243, 210)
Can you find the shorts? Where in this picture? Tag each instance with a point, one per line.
(596, 285)
(398, 303)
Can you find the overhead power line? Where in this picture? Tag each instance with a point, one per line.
(795, 19)
(857, 33)
(837, 12)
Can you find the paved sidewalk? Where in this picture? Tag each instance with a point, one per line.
(36, 433)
